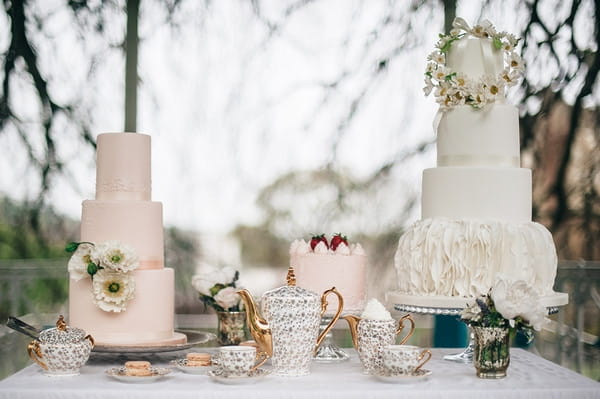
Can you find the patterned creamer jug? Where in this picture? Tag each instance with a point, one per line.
(288, 330)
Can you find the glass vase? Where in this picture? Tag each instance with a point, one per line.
(491, 354)
(231, 328)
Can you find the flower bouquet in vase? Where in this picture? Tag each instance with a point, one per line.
(509, 306)
(217, 289)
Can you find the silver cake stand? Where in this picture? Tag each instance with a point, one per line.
(443, 306)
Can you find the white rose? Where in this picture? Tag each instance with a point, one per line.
(516, 298)
(227, 273)
(227, 298)
(203, 283)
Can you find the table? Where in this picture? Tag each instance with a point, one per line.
(529, 376)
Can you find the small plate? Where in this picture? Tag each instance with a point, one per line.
(120, 374)
(252, 377)
(419, 375)
(181, 364)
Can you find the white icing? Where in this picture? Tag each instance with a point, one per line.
(321, 248)
(123, 167)
(299, 247)
(477, 193)
(475, 57)
(357, 249)
(462, 257)
(479, 137)
(342, 249)
(375, 311)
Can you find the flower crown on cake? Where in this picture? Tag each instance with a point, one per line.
(455, 88)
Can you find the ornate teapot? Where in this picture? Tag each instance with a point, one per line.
(61, 350)
(289, 331)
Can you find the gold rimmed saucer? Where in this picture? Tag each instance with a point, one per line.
(182, 365)
(221, 376)
(120, 373)
(417, 376)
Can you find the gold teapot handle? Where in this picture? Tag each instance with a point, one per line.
(35, 353)
(401, 327)
(335, 318)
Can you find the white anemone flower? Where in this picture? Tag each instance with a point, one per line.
(115, 256)
(112, 290)
(79, 261)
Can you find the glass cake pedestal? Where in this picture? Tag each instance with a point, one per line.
(328, 351)
(453, 306)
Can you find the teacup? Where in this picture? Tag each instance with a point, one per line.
(404, 359)
(372, 336)
(239, 360)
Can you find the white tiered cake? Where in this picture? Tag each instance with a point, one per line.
(476, 204)
(123, 212)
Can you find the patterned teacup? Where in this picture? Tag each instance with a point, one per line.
(404, 359)
(239, 360)
(370, 337)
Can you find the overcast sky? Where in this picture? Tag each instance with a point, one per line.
(230, 109)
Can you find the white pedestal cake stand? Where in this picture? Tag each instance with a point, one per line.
(453, 306)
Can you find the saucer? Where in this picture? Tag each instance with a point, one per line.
(419, 375)
(221, 376)
(181, 364)
(120, 374)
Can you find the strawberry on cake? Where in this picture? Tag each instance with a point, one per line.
(321, 264)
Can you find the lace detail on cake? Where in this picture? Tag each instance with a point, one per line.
(462, 257)
(124, 185)
(122, 189)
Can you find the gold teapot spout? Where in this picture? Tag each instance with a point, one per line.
(353, 323)
(258, 327)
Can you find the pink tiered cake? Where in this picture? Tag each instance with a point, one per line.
(123, 211)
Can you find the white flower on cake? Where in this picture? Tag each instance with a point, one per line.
(115, 256)
(453, 89)
(78, 264)
(516, 62)
(375, 311)
(109, 264)
(112, 290)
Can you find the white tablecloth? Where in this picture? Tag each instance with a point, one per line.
(529, 376)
